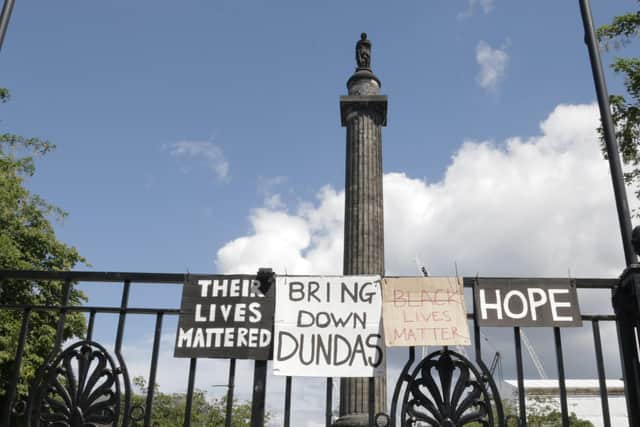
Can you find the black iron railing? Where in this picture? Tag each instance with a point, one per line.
(15, 404)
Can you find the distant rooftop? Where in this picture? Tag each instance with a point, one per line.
(574, 387)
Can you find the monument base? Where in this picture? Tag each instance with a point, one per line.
(352, 420)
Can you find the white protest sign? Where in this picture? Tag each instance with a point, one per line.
(328, 326)
(424, 311)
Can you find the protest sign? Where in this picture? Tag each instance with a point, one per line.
(424, 311)
(328, 326)
(526, 302)
(225, 317)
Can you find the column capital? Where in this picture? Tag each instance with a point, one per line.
(359, 104)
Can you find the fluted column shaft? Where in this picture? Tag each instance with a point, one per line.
(363, 116)
(363, 217)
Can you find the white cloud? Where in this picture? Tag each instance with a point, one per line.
(266, 186)
(486, 6)
(309, 241)
(211, 154)
(493, 64)
(527, 206)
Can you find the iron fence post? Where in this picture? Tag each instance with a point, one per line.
(626, 307)
(266, 277)
(4, 18)
(259, 389)
(230, 385)
(611, 143)
(625, 295)
(11, 391)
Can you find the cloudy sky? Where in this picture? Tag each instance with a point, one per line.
(206, 138)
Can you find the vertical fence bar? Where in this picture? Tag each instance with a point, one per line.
(92, 320)
(561, 378)
(259, 389)
(122, 316)
(604, 398)
(152, 373)
(230, 384)
(15, 373)
(476, 328)
(630, 366)
(401, 379)
(192, 379)
(522, 405)
(329, 403)
(287, 402)
(266, 277)
(66, 292)
(372, 400)
(4, 19)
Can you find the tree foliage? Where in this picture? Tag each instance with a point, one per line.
(625, 108)
(169, 408)
(542, 411)
(545, 412)
(28, 242)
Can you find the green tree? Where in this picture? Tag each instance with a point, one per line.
(541, 412)
(545, 412)
(625, 108)
(28, 242)
(169, 408)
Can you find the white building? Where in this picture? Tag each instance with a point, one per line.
(583, 398)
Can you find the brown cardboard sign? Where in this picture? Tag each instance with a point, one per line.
(420, 311)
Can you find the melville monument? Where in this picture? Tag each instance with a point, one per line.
(363, 112)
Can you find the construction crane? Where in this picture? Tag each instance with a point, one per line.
(495, 363)
(421, 267)
(534, 356)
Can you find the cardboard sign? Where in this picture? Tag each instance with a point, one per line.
(328, 327)
(526, 302)
(424, 311)
(225, 317)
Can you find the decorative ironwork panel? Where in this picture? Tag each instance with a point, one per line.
(446, 390)
(82, 386)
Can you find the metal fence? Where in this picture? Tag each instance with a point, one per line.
(595, 320)
(29, 407)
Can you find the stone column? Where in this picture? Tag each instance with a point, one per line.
(363, 113)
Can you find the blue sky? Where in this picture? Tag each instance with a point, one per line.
(112, 83)
(205, 136)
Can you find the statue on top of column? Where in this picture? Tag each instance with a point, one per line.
(363, 52)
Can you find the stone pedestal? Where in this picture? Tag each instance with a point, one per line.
(363, 113)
